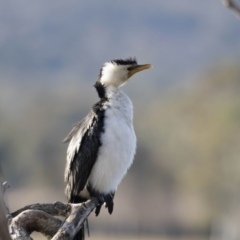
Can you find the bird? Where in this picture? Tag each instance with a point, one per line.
(102, 145)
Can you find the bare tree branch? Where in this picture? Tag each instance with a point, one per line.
(5, 186)
(3, 221)
(76, 219)
(33, 220)
(4, 234)
(55, 209)
(232, 6)
(40, 218)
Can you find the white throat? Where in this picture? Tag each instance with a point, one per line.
(114, 75)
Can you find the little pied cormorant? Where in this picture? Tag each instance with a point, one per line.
(102, 146)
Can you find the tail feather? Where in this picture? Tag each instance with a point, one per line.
(80, 234)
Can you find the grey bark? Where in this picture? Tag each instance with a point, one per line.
(232, 6)
(42, 218)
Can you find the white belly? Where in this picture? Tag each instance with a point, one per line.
(117, 151)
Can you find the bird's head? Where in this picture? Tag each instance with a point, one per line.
(117, 72)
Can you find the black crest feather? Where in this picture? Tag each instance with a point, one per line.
(128, 61)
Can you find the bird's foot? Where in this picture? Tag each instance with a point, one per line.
(101, 202)
(100, 198)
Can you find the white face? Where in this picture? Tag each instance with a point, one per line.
(114, 75)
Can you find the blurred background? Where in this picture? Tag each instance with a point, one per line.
(185, 180)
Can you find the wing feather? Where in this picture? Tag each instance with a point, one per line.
(82, 151)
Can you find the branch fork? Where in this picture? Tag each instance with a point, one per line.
(43, 218)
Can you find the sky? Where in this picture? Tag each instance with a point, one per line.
(52, 42)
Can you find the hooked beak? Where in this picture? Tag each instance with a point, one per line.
(134, 69)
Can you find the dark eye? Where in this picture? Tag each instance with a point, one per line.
(130, 68)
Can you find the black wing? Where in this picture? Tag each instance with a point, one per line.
(82, 151)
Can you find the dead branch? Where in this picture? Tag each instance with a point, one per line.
(3, 225)
(4, 234)
(33, 220)
(55, 209)
(232, 6)
(40, 218)
(75, 220)
(3, 221)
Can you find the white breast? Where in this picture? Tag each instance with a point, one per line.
(118, 144)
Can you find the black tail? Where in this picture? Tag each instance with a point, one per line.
(81, 233)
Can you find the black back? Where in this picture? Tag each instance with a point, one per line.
(90, 128)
